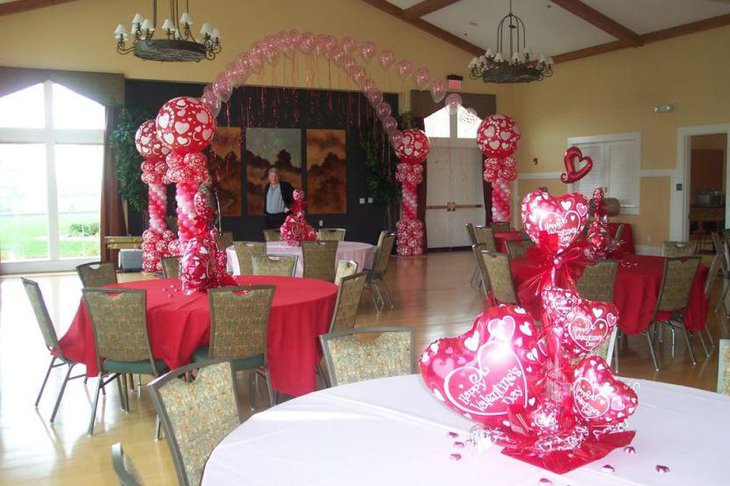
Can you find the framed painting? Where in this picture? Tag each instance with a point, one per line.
(267, 147)
(226, 165)
(326, 172)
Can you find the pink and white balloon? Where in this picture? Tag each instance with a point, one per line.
(156, 238)
(497, 138)
(412, 151)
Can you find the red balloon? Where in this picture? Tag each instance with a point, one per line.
(185, 125)
(497, 136)
(569, 159)
(414, 147)
(555, 222)
(147, 143)
(599, 398)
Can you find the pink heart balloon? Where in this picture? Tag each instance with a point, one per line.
(558, 220)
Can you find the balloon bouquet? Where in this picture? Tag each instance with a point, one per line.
(295, 228)
(497, 138)
(538, 392)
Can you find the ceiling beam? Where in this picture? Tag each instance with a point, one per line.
(426, 7)
(596, 18)
(656, 36)
(452, 39)
(26, 5)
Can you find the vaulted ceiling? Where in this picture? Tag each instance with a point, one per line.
(564, 29)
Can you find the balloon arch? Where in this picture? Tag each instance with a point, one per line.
(172, 146)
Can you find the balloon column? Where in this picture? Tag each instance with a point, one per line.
(295, 228)
(539, 393)
(497, 138)
(186, 127)
(157, 237)
(411, 152)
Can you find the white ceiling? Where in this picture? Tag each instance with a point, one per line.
(552, 30)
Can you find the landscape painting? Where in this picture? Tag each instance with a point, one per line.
(266, 147)
(326, 172)
(226, 165)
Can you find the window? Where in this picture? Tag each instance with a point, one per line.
(459, 123)
(616, 165)
(51, 159)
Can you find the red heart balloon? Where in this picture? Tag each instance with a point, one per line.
(552, 221)
(495, 366)
(571, 175)
(582, 325)
(598, 397)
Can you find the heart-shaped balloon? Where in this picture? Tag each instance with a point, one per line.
(582, 325)
(495, 366)
(554, 222)
(571, 175)
(598, 398)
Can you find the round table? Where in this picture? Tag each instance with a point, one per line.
(177, 324)
(362, 253)
(392, 431)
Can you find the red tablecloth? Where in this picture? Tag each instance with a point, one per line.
(627, 238)
(502, 237)
(635, 293)
(178, 324)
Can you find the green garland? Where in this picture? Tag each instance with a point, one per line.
(129, 162)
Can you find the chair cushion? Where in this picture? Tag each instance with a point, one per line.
(201, 354)
(143, 367)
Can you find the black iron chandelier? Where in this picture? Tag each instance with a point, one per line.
(515, 66)
(178, 45)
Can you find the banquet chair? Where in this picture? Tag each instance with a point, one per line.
(499, 274)
(348, 302)
(345, 268)
(32, 289)
(518, 249)
(272, 235)
(119, 325)
(709, 282)
(245, 250)
(376, 283)
(619, 232)
(672, 249)
(224, 240)
(274, 265)
(124, 467)
(482, 269)
(196, 415)
(239, 321)
(500, 226)
(472, 233)
(320, 259)
(170, 267)
(331, 234)
(721, 248)
(485, 235)
(597, 283)
(97, 274)
(673, 299)
(475, 281)
(723, 367)
(350, 359)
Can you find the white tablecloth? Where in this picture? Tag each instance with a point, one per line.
(392, 432)
(362, 253)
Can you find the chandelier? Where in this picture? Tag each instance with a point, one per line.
(178, 44)
(515, 66)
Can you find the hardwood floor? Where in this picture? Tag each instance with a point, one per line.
(431, 294)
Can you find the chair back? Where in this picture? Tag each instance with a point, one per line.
(484, 275)
(272, 235)
(723, 367)
(170, 267)
(472, 234)
(500, 226)
(331, 234)
(598, 280)
(320, 259)
(719, 243)
(33, 291)
(348, 302)
(245, 250)
(239, 319)
(619, 232)
(712, 274)
(196, 416)
(97, 274)
(605, 350)
(345, 268)
(119, 324)
(485, 235)
(518, 248)
(224, 240)
(679, 273)
(350, 359)
(381, 258)
(500, 276)
(274, 265)
(672, 249)
(124, 467)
